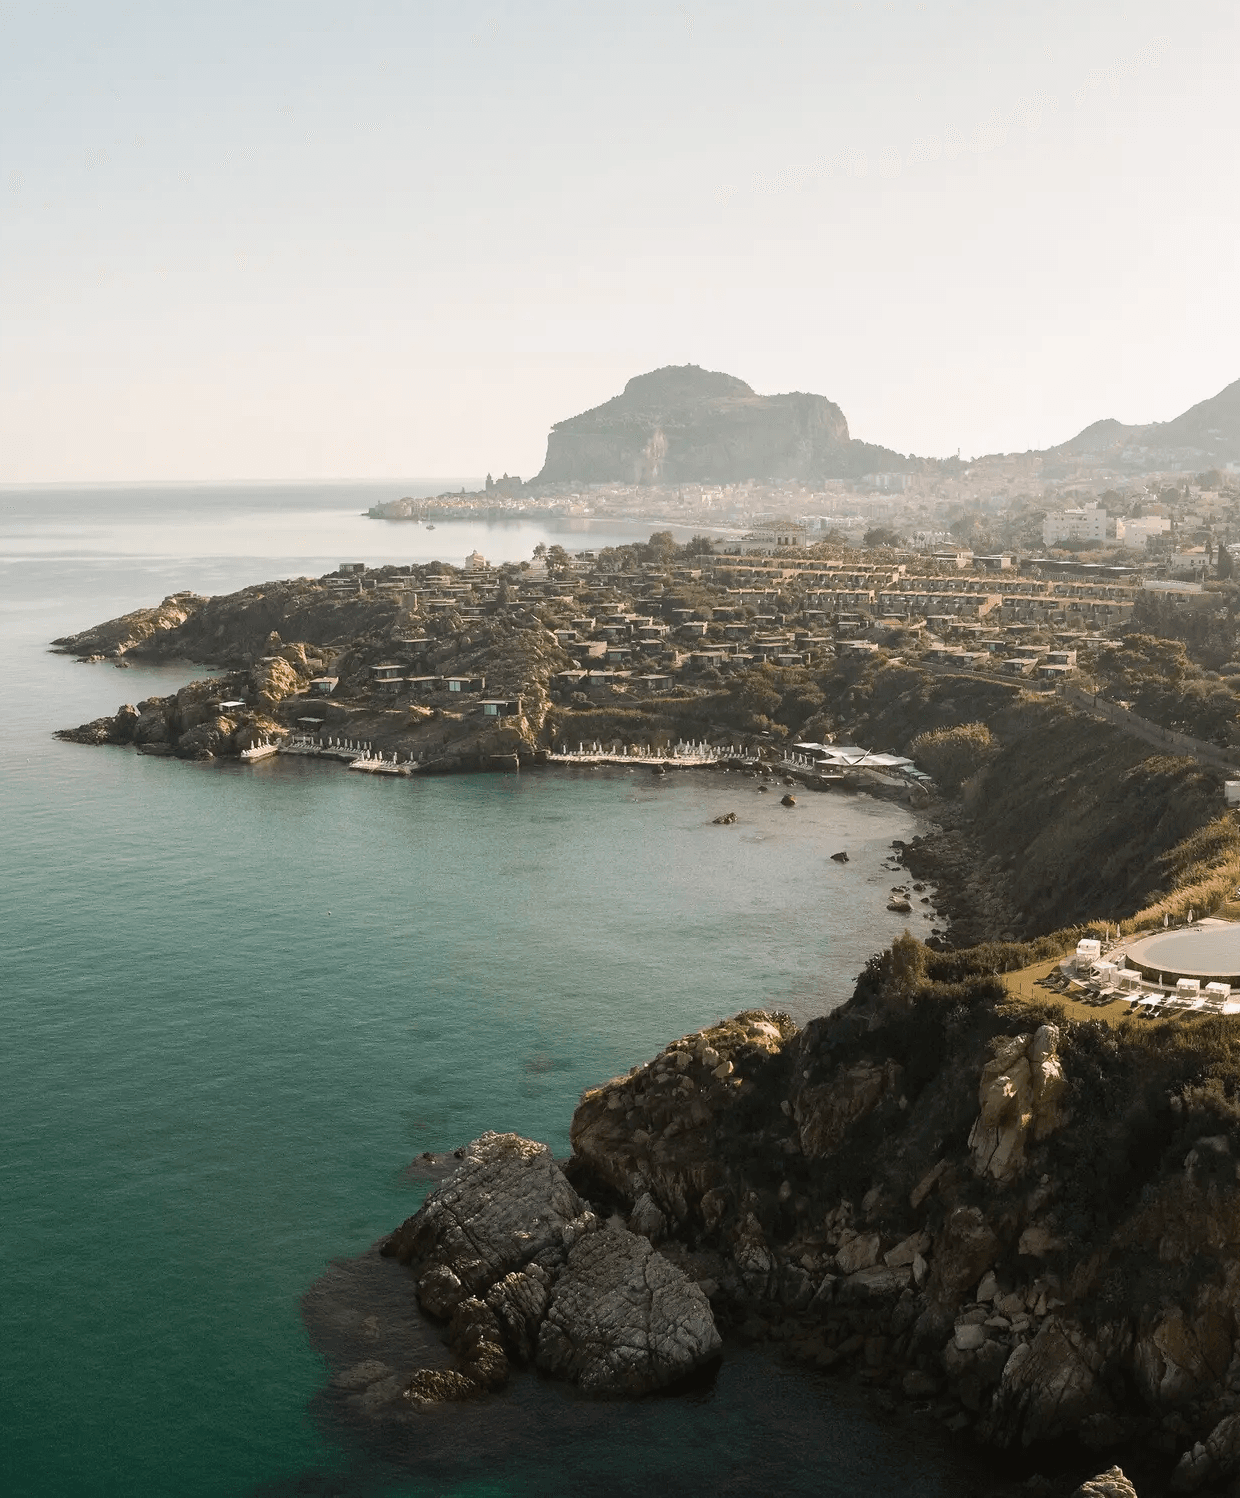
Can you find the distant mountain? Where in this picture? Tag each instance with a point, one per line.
(1205, 435)
(683, 424)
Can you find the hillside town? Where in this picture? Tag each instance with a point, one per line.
(992, 504)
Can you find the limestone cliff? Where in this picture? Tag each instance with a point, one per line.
(682, 424)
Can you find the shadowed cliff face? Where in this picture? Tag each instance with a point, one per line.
(685, 424)
(1032, 1228)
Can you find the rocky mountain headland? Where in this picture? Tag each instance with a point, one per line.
(684, 424)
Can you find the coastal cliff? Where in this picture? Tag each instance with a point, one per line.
(683, 424)
(1015, 1225)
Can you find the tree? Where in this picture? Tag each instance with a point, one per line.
(661, 547)
(1224, 563)
(881, 535)
(953, 755)
(541, 549)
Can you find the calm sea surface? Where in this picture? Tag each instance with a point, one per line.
(235, 1002)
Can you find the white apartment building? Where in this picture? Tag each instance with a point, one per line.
(1138, 532)
(1086, 524)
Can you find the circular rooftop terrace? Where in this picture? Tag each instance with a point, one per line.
(1211, 953)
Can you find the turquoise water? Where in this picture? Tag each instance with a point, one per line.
(237, 1001)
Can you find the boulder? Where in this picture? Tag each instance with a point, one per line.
(271, 680)
(1109, 1484)
(475, 1336)
(646, 1218)
(1020, 1093)
(858, 1251)
(907, 1250)
(519, 1302)
(1211, 1460)
(150, 726)
(1048, 1388)
(840, 857)
(207, 740)
(877, 1282)
(824, 1112)
(124, 724)
(1181, 1355)
(506, 1204)
(623, 1320)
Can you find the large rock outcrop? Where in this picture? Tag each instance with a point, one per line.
(143, 629)
(683, 424)
(524, 1271)
(950, 1196)
(1020, 1095)
(623, 1320)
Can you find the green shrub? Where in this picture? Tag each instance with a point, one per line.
(953, 755)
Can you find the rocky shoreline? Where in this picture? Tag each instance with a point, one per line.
(908, 1192)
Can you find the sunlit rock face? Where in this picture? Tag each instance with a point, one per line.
(683, 424)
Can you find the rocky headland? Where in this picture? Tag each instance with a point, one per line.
(1008, 1223)
(1044, 816)
(683, 424)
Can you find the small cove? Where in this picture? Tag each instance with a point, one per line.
(239, 1000)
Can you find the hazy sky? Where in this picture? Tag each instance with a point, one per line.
(309, 240)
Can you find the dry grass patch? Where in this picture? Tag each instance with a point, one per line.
(1023, 988)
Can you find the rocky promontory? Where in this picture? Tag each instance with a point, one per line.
(1009, 1223)
(683, 424)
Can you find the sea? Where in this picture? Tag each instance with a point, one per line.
(237, 1001)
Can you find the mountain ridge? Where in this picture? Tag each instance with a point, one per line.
(1210, 430)
(685, 424)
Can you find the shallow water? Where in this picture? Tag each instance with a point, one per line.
(238, 1000)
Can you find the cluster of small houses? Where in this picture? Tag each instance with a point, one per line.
(636, 632)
